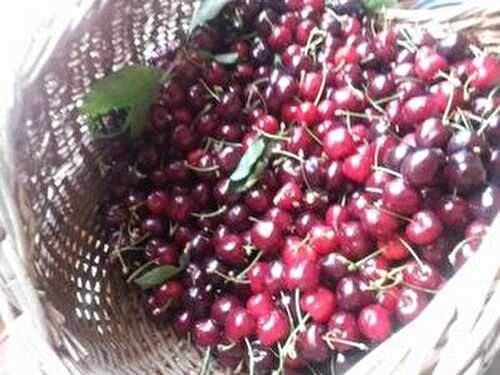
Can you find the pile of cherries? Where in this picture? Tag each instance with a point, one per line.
(379, 180)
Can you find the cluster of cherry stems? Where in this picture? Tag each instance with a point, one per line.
(384, 153)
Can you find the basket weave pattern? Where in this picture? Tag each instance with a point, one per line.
(95, 321)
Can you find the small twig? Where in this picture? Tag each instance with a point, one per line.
(206, 362)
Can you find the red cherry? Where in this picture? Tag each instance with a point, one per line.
(239, 324)
(289, 197)
(429, 63)
(323, 239)
(302, 275)
(375, 323)
(310, 86)
(338, 143)
(425, 276)
(410, 304)
(296, 249)
(486, 72)
(344, 326)
(319, 304)
(393, 248)
(424, 228)
(267, 237)
(357, 167)
(268, 124)
(256, 275)
(388, 298)
(272, 328)
(260, 304)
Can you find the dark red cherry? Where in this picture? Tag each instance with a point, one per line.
(465, 171)
(410, 305)
(421, 275)
(344, 327)
(319, 304)
(399, 197)
(375, 323)
(354, 241)
(424, 228)
(239, 324)
(273, 328)
(206, 333)
(222, 306)
(302, 275)
(333, 267)
(311, 345)
(422, 167)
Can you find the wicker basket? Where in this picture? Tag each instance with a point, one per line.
(50, 183)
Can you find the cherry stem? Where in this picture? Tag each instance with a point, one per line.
(275, 137)
(252, 263)
(287, 309)
(312, 135)
(388, 171)
(412, 252)
(374, 103)
(394, 214)
(212, 93)
(486, 122)
(288, 349)
(354, 266)
(212, 168)
(206, 362)
(330, 339)
(357, 114)
(207, 215)
(289, 155)
(225, 348)
(297, 304)
(220, 141)
(374, 190)
(453, 254)
(251, 359)
(448, 107)
(231, 279)
(321, 88)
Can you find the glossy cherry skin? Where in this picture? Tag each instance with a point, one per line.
(398, 196)
(267, 237)
(319, 304)
(410, 305)
(344, 326)
(352, 293)
(333, 267)
(375, 323)
(354, 241)
(424, 228)
(302, 275)
(323, 239)
(453, 211)
(206, 333)
(256, 275)
(425, 276)
(222, 306)
(273, 328)
(239, 324)
(422, 167)
(465, 171)
(259, 304)
(311, 345)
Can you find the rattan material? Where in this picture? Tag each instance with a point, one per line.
(52, 183)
